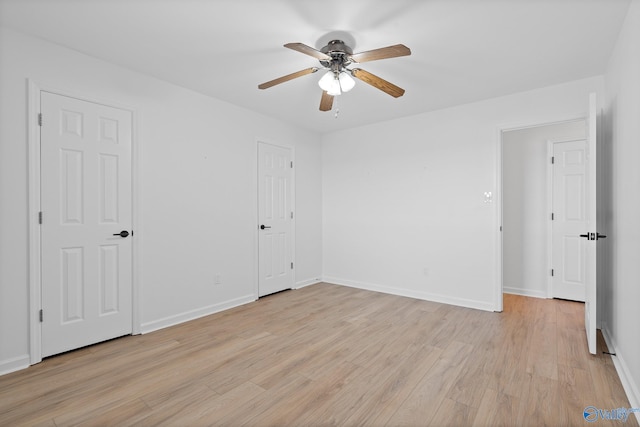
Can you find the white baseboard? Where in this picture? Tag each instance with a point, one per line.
(308, 282)
(194, 314)
(427, 296)
(630, 387)
(15, 364)
(524, 292)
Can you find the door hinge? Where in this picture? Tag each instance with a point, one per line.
(39, 119)
(552, 216)
(291, 164)
(552, 272)
(40, 217)
(292, 266)
(553, 160)
(291, 215)
(41, 315)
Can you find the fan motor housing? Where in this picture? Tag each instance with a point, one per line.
(339, 53)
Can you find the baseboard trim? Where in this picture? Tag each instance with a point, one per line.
(15, 364)
(427, 296)
(630, 387)
(194, 314)
(308, 282)
(524, 292)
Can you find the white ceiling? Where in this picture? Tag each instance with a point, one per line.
(462, 50)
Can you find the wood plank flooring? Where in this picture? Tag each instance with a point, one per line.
(331, 355)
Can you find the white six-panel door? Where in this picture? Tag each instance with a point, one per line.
(275, 264)
(590, 303)
(570, 219)
(85, 201)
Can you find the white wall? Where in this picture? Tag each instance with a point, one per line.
(197, 188)
(403, 200)
(525, 212)
(621, 296)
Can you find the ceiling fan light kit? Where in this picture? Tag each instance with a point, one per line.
(336, 83)
(335, 57)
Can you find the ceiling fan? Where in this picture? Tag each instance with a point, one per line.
(336, 57)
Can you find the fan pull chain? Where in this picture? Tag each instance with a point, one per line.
(337, 108)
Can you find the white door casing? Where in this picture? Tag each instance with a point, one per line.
(275, 219)
(569, 207)
(86, 200)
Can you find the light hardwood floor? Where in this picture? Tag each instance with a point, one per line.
(325, 355)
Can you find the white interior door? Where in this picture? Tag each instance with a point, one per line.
(86, 202)
(275, 217)
(591, 233)
(570, 219)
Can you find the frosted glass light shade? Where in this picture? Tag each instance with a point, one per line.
(346, 82)
(329, 83)
(335, 85)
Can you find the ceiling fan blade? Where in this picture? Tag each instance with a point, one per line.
(382, 53)
(326, 102)
(307, 50)
(287, 78)
(377, 82)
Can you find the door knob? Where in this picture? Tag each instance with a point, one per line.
(123, 233)
(592, 236)
(262, 227)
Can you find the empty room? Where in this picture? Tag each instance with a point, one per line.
(303, 212)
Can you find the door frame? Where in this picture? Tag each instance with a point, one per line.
(500, 130)
(34, 193)
(256, 214)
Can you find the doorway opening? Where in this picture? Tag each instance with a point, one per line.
(591, 206)
(527, 206)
